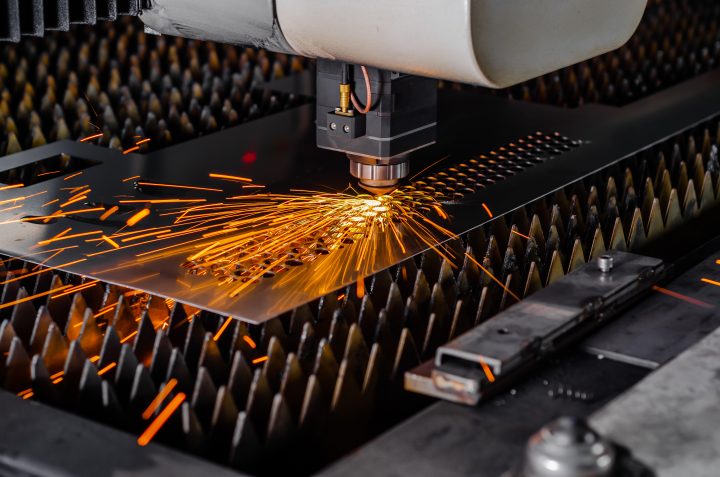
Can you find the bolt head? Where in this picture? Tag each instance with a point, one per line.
(333, 126)
(605, 263)
(346, 128)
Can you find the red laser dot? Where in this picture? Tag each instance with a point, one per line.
(249, 157)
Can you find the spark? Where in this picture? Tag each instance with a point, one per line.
(127, 179)
(138, 217)
(68, 237)
(223, 328)
(113, 243)
(177, 186)
(72, 176)
(73, 200)
(486, 369)
(519, 234)
(90, 138)
(360, 292)
(95, 358)
(132, 149)
(249, 341)
(682, 297)
(128, 337)
(109, 212)
(28, 395)
(32, 297)
(107, 368)
(48, 173)
(160, 420)
(341, 297)
(229, 178)
(487, 209)
(710, 282)
(142, 141)
(157, 402)
(502, 285)
(261, 359)
(162, 201)
(13, 186)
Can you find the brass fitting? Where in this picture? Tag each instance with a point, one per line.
(344, 98)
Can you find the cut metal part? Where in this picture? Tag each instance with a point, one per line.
(536, 327)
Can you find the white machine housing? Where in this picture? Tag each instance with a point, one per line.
(493, 43)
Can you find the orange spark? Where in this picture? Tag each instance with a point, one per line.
(90, 138)
(519, 234)
(682, 297)
(74, 200)
(107, 368)
(711, 282)
(32, 297)
(57, 375)
(113, 243)
(127, 338)
(160, 420)
(177, 186)
(360, 292)
(341, 297)
(67, 237)
(95, 359)
(261, 359)
(502, 285)
(487, 209)
(28, 395)
(109, 212)
(130, 178)
(48, 173)
(143, 141)
(486, 370)
(132, 149)
(72, 176)
(249, 341)
(138, 217)
(223, 328)
(230, 178)
(162, 395)
(14, 186)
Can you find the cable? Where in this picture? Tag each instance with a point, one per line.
(368, 96)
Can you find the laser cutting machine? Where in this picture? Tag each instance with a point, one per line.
(569, 327)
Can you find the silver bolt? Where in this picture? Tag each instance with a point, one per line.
(605, 263)
(333, 126)
(346, 128)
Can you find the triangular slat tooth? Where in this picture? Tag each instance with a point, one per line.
(533, 283)
(242, 341)
(520, 220)
(598, 245)
(223, 422)
(500, 231)
(91, 338)
(185, 430)
(75, 317)
(55, 350)
(345, 409)
(380, 287)
(655, 224)
(177, 369)
(707, 194)
(10, 292)
(59, 307)
(665, 190)
(374, 372)
(437, 333)
(438, 303)
(124, 320)
(162, 348)
(17, 368)
(281, 427)
(577, 257)
(691, 149)
(203, 398)
(275, 364)
(356, 353)
(706, 145)
(326, 309)
(313, 415)
(394, 308)
(178, 325)
(143, 390)
(42, 387)
(22, 318)
(430, 265)
(212, 361)
(690, 203)
(74, 364)
(648, 198)
(40, 329)
(617, 237)
(555, 270)
(552, 246)
(274, 329)
(110, 349)
(259, 402)
(246, 447)
(406, 357)
(90, 392)
(660, 171)
(673, 215)
(509, 291)
(682, 181)
(193, 343)
(415, 321)
(462, 321)
(157, 311)
(698, 173)
(240, 379)
(637, 232)
(516, 242)
(406, 273)
(124, 373)
(493, 258)
(421, 293)
(447, 282)
(384, 336)
(338, 335)
(298, 318)
(307, 348)
(326, 369)
(293, 384)
(476, 239)
(536, 233)
(367, 320)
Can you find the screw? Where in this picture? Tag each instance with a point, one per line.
(333, 126)
(346, 128)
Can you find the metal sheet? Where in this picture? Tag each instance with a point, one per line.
(670, 420)
(288, 158)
